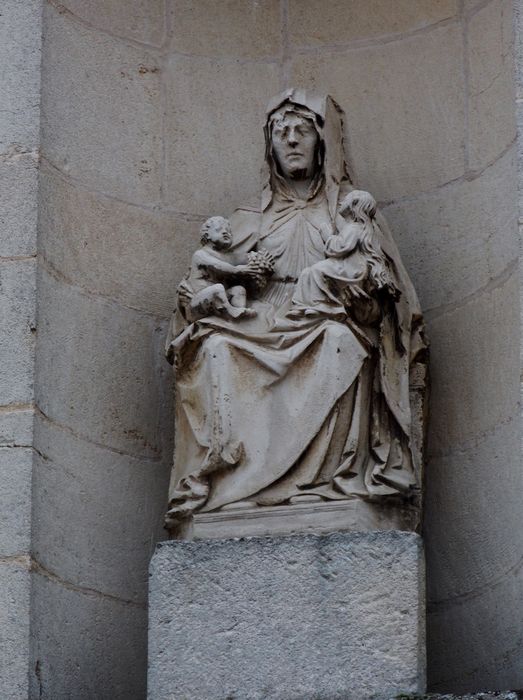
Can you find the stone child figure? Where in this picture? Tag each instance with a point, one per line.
(212, 279)
(355, 272)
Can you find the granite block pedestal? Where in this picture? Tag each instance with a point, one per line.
(303, 617)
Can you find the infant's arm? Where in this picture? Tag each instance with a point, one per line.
(215, 267)
(343, 243)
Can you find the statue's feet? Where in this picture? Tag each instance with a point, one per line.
(299, 311)
(242, 312)
(249, 313)
(305, 498)
(240, 505)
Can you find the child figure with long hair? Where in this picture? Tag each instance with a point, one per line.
(355, 275)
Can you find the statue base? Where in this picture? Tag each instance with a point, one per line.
(304, 516)
(308, 617)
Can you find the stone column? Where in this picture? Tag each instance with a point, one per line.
(20, 42)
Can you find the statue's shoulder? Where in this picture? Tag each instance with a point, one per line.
(245, 225)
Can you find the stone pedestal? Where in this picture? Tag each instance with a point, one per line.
(313, 516)
(302, 617)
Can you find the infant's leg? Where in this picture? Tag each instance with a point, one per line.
(214, 300)
(237, 296)
(208, 302)
(313, 285)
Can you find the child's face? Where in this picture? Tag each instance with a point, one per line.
(220, 235)
(348, 213)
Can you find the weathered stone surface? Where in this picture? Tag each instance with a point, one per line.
(17, 282)
(495, 627)
(458, 238)
(85, 645)
(105, 131)
(495, 695)
(14, 623)
(16, 426)
(519, 117)
(18, 204)
(220, 157)
(336, 23)
(491, 88)
(121, 390)
(518, 48)
(141, 20)
(205, 28)
(400, 149)
(469, 558)
(20, 57)
(338, 616)
(470, 7)
(479, 573)
(134, 255)
(20, 29)
(15, 500)
(474, 363)
(110, 505)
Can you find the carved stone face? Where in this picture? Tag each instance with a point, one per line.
(219, 233)
(294, 141)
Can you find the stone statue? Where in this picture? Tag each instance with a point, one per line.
(295, 338)
(202, 293)
(355, 269)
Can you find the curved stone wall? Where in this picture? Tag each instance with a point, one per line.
(151, 121)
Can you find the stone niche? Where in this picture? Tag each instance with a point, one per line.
(297, 341)
(150, 123)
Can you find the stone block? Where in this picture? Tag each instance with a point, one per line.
(20, 74)
(15, 500)
(85, 645)
(338, 22)
(205, 28)
(491, 123)
(18, 204)
(214, 132)
(101, 110)
(97, 514)
(301, 617)
(17, 309)
(474, 366)
(133, 255)
(16, 426)
(103, 370)
(140, 20)
(404, 104)
(14, 623)
(455, 240)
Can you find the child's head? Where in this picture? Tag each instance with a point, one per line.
(217, 232)
(359, 205)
